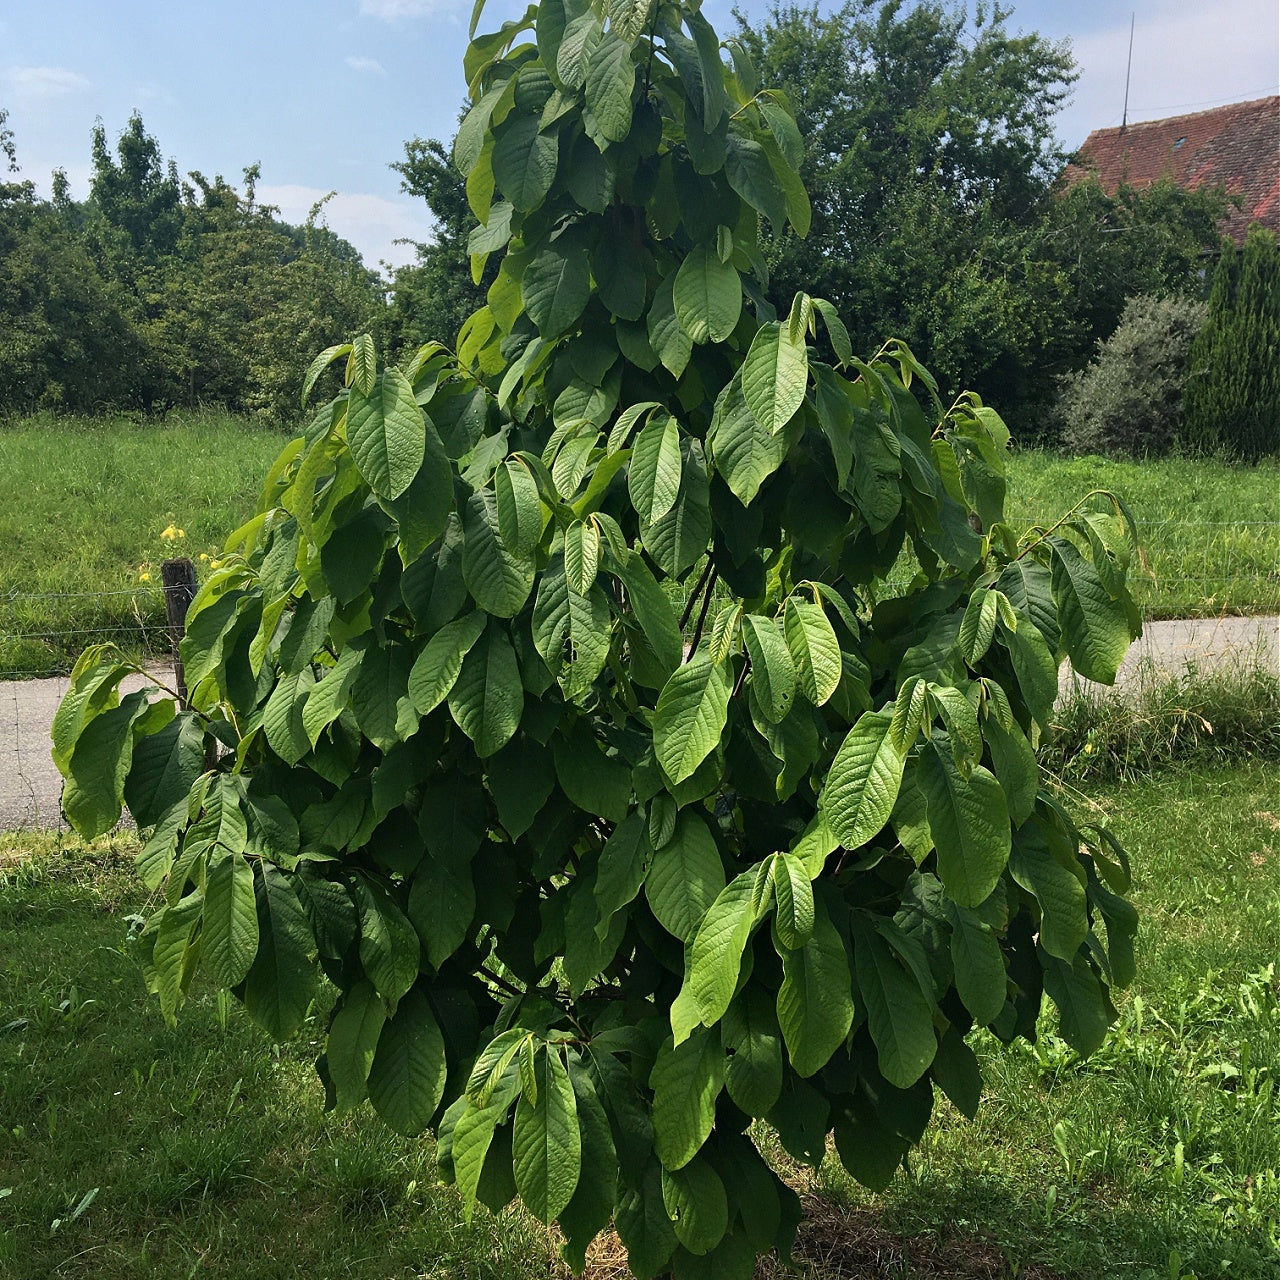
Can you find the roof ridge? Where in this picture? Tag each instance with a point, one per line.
(1190, 115)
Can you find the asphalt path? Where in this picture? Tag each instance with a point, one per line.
(30, 784)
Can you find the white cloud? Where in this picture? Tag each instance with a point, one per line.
(35, 84)
(395, 10)
(371, 65)
(1184, 59)
(372, 223)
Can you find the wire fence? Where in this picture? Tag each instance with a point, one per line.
(1191, 569)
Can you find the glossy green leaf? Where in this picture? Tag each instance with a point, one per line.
(524, 161)
(899, 1014)
(753, 1042)
(556, 286)
(773, 672)
(696, 1204)
(229, 938)
(386, 433)
(1095, 627)
(815, 1000)
(280, 983)
(862, 783)
(654, 473)
(684, 877)
(436, 668)
(407, 1077)
(814, 649)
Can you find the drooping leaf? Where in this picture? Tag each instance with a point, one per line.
(774, 376)
(691, 714)
(547, 1142)
(815, 1000)
(707, 296)
(386, 433)
(406, 1079)
(862, 783)
(686, 1080)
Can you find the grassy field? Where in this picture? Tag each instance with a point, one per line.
(83, 505)
(128, 1149)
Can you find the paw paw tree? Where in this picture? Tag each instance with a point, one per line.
(631, 717)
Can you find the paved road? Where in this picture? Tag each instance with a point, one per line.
(30, 785)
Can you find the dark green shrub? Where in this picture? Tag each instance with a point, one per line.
(1129, 399)
(1232, 395)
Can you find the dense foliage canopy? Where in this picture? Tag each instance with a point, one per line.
(556, 706)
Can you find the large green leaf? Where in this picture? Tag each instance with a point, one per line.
(230, 931)
(743, 450)
(94, 792)
(591, 1207)
(282, 979)
(814, 649)
(571, 630)
(862, 783)
(753, 1042)
(773, 672)
(1095, 627)
(388, 944)
(497, 574)
(696, 1204)
(690, 716)
(707, 296)
(815, 1000)
(653, 611)
(981, 979)
(556, 285)
(524, 161)
(684, 877)
(716, 958)
(163, 767)
(899, 1014)
(611, 77)
(679, 539)
(407, 1077)
(751, 175)
(969, 820)
(487, 699)
(655, 469)
(774, 376)
(686, 1080)
(1035, 667)
(1059, 890)
(353, 1040)
(437, 666)
(547, 1143)
(386, 433)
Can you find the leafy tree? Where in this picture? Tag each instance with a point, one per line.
(592, 900)
(1233, 388)
(1128, 400)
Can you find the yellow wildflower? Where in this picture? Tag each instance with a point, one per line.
(170, 533)
(144, 577)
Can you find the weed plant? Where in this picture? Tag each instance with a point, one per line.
(128, 1149)
(1190, 719)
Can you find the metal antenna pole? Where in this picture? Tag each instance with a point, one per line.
(1124, 123)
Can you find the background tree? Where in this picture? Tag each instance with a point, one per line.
(435, 294)
(1233, 387)
(593, 903)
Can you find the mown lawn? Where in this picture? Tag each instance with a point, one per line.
(84, 504)
(128, 1149)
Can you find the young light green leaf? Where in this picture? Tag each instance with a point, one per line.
(716, 958)
(1095, 627)
(495, 573)
(793, 894)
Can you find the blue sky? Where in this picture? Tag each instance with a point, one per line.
(325, 93)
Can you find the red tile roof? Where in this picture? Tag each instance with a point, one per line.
(1236, 147)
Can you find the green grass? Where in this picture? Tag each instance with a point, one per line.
(1210, 530)
(208, 1153)
(83, 503)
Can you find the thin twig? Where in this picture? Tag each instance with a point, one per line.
(702, 616)
(694, 594)
(501, 982)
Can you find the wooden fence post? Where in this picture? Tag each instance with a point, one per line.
(178, 577)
